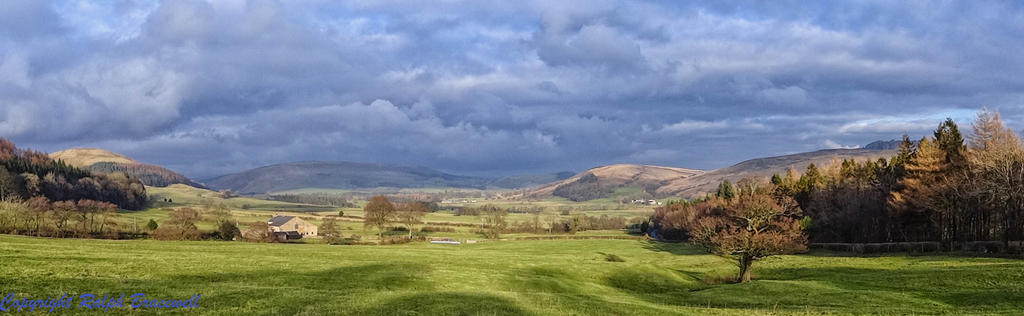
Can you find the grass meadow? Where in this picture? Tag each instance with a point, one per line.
(512, 276)
(553, 277)
(247, 210)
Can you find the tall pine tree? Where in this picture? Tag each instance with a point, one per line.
(949, 139)
(922, 194)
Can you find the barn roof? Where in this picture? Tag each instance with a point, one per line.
(279, 220)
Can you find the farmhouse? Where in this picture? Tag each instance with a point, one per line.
(291, 227)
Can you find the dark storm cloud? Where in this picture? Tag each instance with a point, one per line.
(496, 88)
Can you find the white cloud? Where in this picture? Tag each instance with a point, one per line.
(690, 126)
(830, 144)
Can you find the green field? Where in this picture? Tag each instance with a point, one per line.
(245, 210)
(183, 195)
(493, 277)
(505, 278)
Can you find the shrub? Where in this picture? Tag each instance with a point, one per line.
(467, 211)
(400, 240)
(437, 229)
(259, 232)
(181, 226)
(176, 233)
(227, 231)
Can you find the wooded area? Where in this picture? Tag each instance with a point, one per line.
(940, 188)
(25, 174)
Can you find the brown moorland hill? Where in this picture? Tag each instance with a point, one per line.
(105, 162)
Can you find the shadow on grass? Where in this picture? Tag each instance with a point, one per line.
(767, 294)
(986, 287)
(982, 288)
(649, 282)
(269, 291)
(676, 248)
(556, 287)
(445, 303)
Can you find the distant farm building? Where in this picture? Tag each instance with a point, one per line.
(646, 202)
(291, 227)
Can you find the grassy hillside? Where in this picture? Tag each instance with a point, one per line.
(183, 195)
(325, 176)
(105, 162)
(529, 180)
(82, 157)
(615, 181)
(604, 181)
(505, 278)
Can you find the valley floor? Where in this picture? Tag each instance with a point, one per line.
(503, 278)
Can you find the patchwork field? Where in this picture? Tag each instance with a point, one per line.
(505, 278)
(247, 210)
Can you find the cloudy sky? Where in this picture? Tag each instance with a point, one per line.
(498, 88)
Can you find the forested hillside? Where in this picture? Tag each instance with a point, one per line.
(25, 174)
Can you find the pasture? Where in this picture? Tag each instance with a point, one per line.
(570, 277)
(246, 210)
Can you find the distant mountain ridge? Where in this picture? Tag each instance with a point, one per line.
(356, 175)
(529, 180)
(765, 167)
(105, 162)
(661, 182)
(601, 182)
(883, 145)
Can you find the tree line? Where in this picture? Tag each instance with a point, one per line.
(38, 216)
(586, 188)
(943, 188)
(336, 200)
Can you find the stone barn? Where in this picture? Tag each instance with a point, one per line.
(287, 224)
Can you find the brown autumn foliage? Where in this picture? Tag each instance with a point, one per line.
(329, 231)
(259, 232)
(378, 213)
(749, 227)
(410, 214)
(40, 217)
(939, 190)
(181, 226)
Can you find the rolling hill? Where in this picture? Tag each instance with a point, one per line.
(601, 182)
(104, 162)
(355, 175)
(339, 175)
(529, 180)
(619, 181)
(662, 182)
(765, 167)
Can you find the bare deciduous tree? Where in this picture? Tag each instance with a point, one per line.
(410, 214)
(378, 213)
